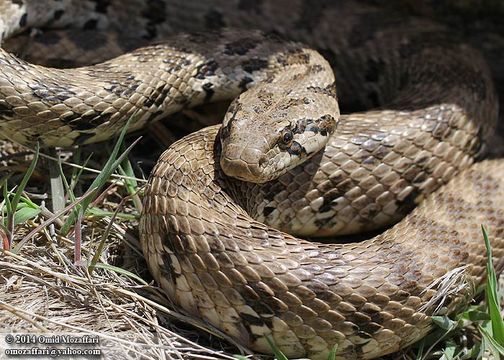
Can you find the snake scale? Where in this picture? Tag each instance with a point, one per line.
(220, 247)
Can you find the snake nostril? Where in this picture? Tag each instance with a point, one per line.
(262, 160)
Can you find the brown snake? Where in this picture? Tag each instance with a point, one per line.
(215, 244)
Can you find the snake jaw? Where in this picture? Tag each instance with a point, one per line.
(259, 162)
(241, 163)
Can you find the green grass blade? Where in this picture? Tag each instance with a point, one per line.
(121, 271)
(449, 350)
(24, 181)
(25, 213)
(104, 213)
(444, 322)
(492, 294)
(45, 223)
(494, 345)
(276, 351)
(131, 183)
(8, 207)
(332, 354)
(102, 178)
(474, 315)
(127, 169)
(11, 204)
(101, 244)
(419, 354)
(77, 172)
(68, 189)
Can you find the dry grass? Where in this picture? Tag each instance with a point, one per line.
(44, 290)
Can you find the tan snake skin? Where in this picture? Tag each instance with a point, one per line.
(250, 280)
(210, 240)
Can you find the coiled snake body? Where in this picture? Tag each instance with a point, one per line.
(217, 245)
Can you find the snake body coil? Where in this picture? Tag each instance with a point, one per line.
(252, 281)
(217, 245)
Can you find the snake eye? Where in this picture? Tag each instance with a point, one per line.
(287, 137)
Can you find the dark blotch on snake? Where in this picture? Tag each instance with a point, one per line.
(5, 110)
(323, 222)
(209, 91)
(268, 210)
(167, 268)
(130, 90)
(83, 137)
(244, 82)
(329, 90)
(316, 68)
(382, 151)
(411, 173)
(52, 95)
(95, 119)
(328, 198)
(322, 126)
(294, 56)
(291, 102)
(206, 69)
(89, 40)
(76, 122)
(157, 96)
(364, 334)
(175, 65)
(376, 317)
(240, 47)
(408, 203)
(296, 149)
(124, 87)
(254, 64)
(274, 189)
(265, 98)
(251, 320)
(345, 185)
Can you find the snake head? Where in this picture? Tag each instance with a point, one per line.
(258, 148)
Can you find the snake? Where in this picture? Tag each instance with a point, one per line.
(223, 206)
